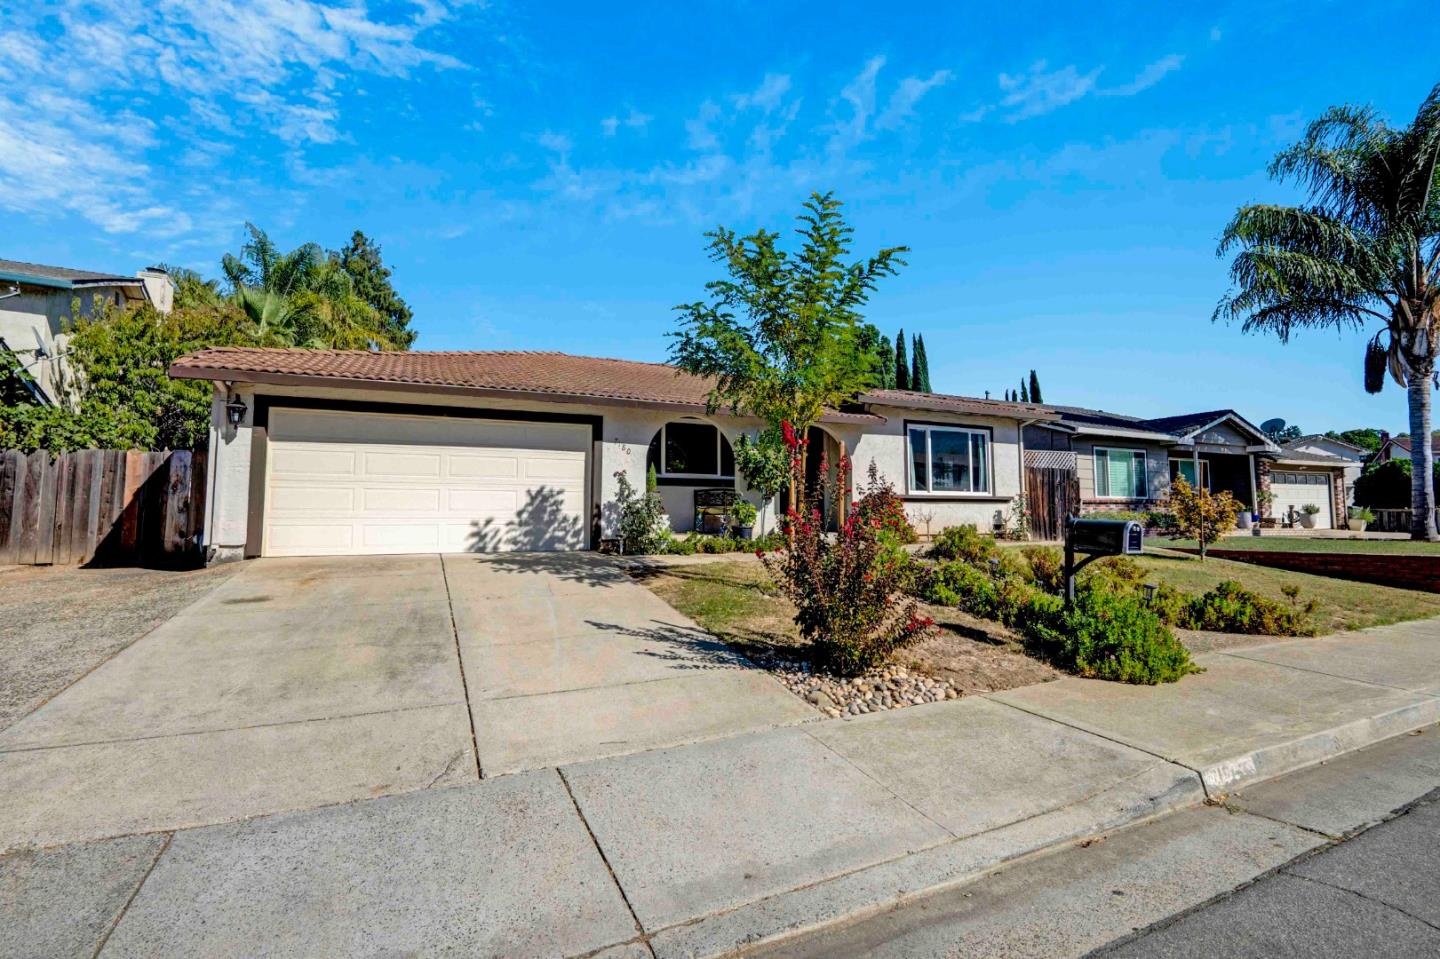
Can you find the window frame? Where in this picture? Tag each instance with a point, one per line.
(1144, 455)
(987, 435)
(1204, 470)
(720, 440)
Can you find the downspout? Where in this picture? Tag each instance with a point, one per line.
(211, 465)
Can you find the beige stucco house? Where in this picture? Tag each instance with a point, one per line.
(38, 304)
(317, 452)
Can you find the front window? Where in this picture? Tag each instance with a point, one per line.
(1186, 468)
(685, 448)
(1120, 474)
(946, 459)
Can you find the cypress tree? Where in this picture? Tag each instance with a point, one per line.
(920, 380)
(902, 364)
(1035, 388)
(1024, 392)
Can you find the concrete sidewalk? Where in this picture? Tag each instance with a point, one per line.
(709, 848)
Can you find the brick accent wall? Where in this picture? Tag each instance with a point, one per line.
(1382, 569)
(1262, 484)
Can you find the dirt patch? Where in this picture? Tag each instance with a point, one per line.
(737, 601)
(1204, 641)
(61, 622)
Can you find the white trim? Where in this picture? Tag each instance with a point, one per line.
(987, 438)
(1267, 442)
(719, 452)
(1144, 471)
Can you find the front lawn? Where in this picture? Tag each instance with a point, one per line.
(1299, 544)
(735, 600)
(1341, 604)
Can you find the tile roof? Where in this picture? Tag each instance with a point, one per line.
(1404, 443)
(946, 403)
(496, 372)
(59, 275)
(501, 372)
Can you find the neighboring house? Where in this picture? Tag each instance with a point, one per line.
(345, 452)
(1398, 447)
(1329, 447)
(37, 306)
(1128, 462)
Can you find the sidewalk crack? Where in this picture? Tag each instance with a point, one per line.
(105, 939)
(624, 897)
(460, 660)
(877, 781)
(1360, 895)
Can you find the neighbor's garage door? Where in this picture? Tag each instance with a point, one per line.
(1297, 489)
(346, 483)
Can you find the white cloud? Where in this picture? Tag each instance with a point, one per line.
(555, 142)
(901, 105)
(765, 97)
(699, 135)
(1040, 90)
(209, 73)
(859, 93)
(1146, 78)
(634, 120)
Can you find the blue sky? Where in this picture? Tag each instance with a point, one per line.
(540, 175)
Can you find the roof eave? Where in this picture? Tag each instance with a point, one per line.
(181, 370)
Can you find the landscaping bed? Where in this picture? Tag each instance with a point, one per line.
(736, 600)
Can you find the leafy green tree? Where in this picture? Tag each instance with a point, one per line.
(305, 297)
(1367, 438)
(361, 259)
(1035, 388)
(779, 335)
(123, 396)
(764, 461)
(902, 365)
(1365, 250)
(873, 342)
(920, 376)
(1024, 392)
(1387, 485)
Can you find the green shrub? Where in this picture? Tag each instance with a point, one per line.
(1107, 635)
(959, 584)
(1124, 514)
(1231, 608)
(742, 513)
(964, 543)
(1047, 567)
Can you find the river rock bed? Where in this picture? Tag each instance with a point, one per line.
(889, 687)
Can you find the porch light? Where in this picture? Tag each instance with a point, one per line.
(1149, 589)
(235, 410)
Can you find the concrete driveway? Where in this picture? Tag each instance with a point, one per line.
(306, 682)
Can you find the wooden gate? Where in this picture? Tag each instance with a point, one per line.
(1052, 492)
(106, 507)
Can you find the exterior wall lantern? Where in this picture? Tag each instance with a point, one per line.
(235, 410)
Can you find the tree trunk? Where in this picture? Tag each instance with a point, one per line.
(1422, 456)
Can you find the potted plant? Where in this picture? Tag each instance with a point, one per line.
(1308, 512)
(1360, 517)
(741, 519)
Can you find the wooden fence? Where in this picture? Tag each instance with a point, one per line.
(1051, 494)
(101, 507)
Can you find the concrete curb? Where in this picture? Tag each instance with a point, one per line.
(1163, 788)
(1271, 761)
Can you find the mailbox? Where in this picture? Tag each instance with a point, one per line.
(1107, 537)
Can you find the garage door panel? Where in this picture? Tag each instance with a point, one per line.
(1292, 490)
(312, 461)
(311, 499)
(473, 466)
(398, 488)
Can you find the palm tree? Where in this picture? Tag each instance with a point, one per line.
(301, 298)
(1366, 249)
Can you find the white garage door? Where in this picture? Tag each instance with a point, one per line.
(351, 483)
(1297, 489)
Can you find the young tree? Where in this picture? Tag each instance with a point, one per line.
(1035, 388)
(1366, 249)
(779, 335)
(920, 379)
(1024, 392)
(1200, 514)
(902, 366)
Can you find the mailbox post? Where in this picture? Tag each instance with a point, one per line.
(1096, 538)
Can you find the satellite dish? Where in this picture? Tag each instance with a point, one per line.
(1273, 426)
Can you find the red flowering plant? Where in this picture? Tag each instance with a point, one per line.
(879, 501)
(849, 605)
